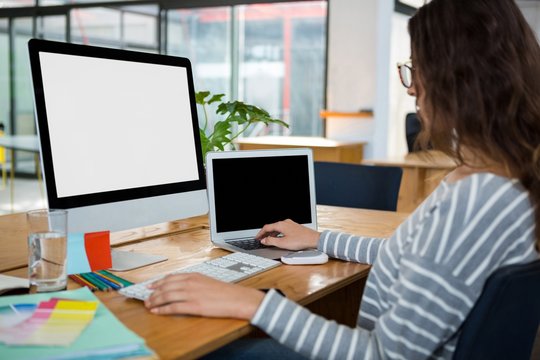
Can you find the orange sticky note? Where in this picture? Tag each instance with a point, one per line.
(98, 250)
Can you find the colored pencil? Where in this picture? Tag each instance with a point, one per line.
(91, 281)
(100, 285)
(100, 274)
(111, 284)
(89, 284)
(96, 279)
(117, 278)
(79, 280)
(100, 280)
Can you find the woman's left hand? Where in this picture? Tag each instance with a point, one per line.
(197, 294)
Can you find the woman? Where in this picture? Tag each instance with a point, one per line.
(474, 72)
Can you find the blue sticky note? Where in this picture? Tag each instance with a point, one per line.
(77, 261)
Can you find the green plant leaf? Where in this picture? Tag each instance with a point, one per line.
(215, 98)
(243, 113)
(205, 144)
(221, 135)
(200, 96)
(226, 108)
(280, 122)
(237, 119)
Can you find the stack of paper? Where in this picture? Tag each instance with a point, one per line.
(11, 283)
(64, 325)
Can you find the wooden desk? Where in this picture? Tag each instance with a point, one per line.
(333, 289)
(422, 173)
(323, 149)
(14, 247)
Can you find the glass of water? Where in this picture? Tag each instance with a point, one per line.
(47, 249)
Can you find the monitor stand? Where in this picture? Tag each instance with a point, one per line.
(128, 260)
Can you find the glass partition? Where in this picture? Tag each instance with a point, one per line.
(281, 51)
(17, 3)
(65, 2)
(23, 92)
(51, 27)
(271, 55)
(204, 37)
(96, 26)
(282, 63)
(4, 76)
(140, 28)
(24, 104)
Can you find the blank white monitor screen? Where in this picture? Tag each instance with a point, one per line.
(103, 136)
(119, 133)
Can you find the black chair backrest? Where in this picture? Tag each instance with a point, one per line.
(412, 128)
(504, 321)
(358, 186)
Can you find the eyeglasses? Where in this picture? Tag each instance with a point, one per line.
(406, 70)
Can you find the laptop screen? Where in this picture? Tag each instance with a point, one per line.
(250, 192)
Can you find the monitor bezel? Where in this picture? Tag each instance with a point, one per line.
(37, 46)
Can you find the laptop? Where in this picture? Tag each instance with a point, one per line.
(250, 188)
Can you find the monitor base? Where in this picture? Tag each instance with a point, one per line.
(128, 260)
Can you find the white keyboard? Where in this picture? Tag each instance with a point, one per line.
(229, 268)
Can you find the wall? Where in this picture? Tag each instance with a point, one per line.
(351, 78)
(362, 51)
(531, 11)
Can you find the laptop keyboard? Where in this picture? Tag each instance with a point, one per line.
(247, 244)
(229, 268)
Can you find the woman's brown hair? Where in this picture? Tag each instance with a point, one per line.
(478, 63)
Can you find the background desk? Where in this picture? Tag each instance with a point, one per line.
(333, 289)
(422, 173)
(323, 149)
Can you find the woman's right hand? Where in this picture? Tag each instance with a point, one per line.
(288, 235)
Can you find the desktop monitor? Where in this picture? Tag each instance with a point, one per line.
(119, 136)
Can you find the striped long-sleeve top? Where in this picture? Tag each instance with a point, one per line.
(424, 280)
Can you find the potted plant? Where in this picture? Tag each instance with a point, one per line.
(224, 132)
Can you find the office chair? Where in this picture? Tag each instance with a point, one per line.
(412, 128)
(358, 186)
(504, 321)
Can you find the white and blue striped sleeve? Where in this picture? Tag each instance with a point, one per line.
(348, 247)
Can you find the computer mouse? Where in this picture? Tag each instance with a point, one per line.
(305, 257)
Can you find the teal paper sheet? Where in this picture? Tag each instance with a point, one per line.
(105, 338)
(77, 260)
